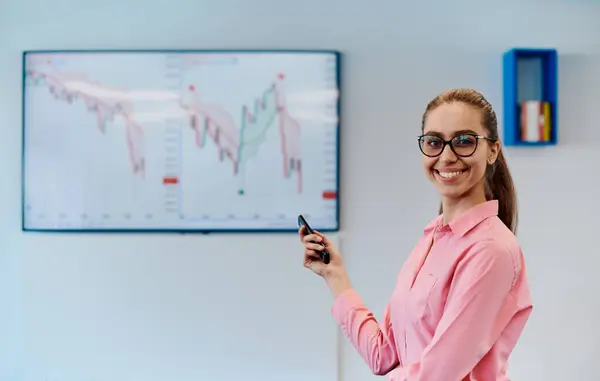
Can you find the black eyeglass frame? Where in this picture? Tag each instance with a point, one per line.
(449, 143)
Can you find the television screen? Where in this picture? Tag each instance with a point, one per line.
(180, 140)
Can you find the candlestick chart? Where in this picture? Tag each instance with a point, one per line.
(241, 141)
(174, 146)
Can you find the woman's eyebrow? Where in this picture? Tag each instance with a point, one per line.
(454, 133)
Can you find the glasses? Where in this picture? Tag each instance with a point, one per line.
(463, 145)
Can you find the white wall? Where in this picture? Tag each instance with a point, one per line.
(397, 57)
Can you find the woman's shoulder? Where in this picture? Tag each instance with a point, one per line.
(497, 246)
(494, 232)
(494, 243)
(493, 239)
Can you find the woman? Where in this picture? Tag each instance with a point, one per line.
(462, 297)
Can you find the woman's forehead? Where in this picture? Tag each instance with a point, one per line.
(454, 118)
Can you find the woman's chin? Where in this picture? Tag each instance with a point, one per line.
(453, 190)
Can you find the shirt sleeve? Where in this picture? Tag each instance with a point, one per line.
(479, 306)
(373, 341)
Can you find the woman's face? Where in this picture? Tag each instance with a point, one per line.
(455, 176)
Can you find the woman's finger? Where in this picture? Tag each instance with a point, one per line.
(312, 261)
(311, 238)
(321, 235)
(311, 254)
(314, 246)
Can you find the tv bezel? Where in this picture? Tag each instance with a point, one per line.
(338, 57)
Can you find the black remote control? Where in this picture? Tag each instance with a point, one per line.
(325, 257)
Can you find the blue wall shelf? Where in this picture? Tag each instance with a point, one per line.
(530, 75)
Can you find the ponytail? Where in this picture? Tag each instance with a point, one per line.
(499, 186)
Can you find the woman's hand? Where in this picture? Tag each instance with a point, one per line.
(334, 272)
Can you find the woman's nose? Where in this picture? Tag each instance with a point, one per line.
(448, 155)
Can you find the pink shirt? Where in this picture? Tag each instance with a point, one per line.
(460, 304)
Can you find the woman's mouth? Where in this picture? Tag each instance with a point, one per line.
(450, 175)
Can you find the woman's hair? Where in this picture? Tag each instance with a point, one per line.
(498, 180)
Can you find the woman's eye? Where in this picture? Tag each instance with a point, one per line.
(464, 140)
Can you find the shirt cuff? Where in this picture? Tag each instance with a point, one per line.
(344, 303)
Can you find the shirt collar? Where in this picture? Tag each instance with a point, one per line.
(468, 220)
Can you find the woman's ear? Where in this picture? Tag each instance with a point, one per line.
(494, 151)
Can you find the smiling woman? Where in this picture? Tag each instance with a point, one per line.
(466, 174)
(462, 298)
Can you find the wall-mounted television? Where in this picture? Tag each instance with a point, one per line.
(181, 141)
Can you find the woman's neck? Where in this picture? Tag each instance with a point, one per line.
(454, 207)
